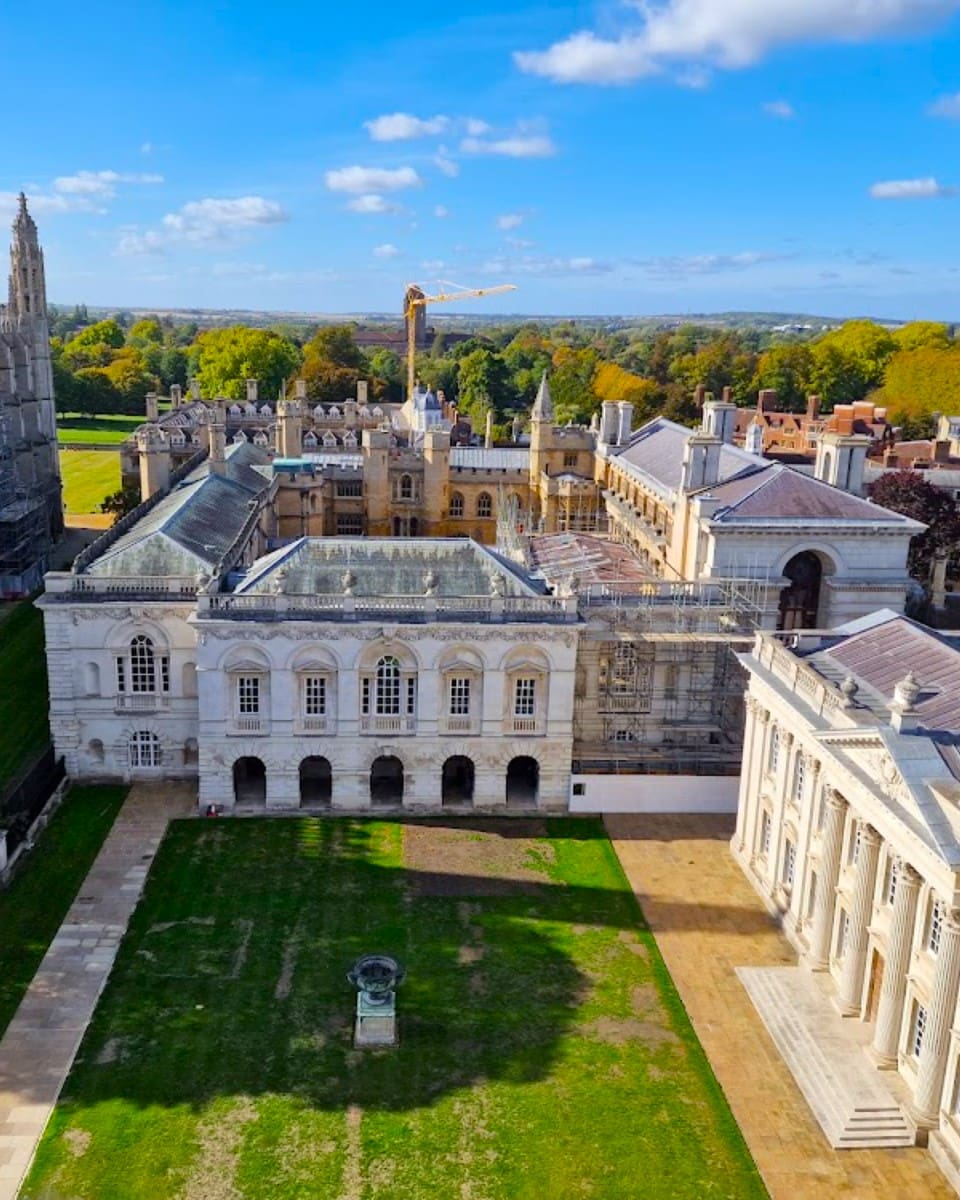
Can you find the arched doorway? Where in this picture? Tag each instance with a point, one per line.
(800, 599)
(249, 781)
(386, 781)
(523, 782)
(316, 782)
(458, 779)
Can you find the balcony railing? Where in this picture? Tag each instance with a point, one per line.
(271, 606)
(141, 702)
(391, 724)
(460, 724)
(250, 724)
(314, 725)
(526, 725)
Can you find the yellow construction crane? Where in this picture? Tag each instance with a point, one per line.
(416, 300)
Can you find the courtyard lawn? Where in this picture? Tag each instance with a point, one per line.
(24, 730)
(544, 1053)
(74, 429)
(33, 907)
(89, 476)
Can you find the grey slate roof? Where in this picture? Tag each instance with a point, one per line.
(777, 492)
(193, 526)
(656, 450)
(493, 459)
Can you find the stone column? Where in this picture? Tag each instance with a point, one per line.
(855, 954)
(749, 793)
(936, 1035)
(827, 875)
(761, 750)
(886, 1037)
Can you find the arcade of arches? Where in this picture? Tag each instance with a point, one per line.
(386, 781)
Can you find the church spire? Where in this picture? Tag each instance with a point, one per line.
(28, 290)
(543, 405)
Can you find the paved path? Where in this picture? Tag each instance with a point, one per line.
(42, 1040)
(708, 921)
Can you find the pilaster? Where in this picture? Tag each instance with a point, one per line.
(855, 951)
(827, 875)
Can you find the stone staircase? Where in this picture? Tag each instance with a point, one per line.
(846, 1094)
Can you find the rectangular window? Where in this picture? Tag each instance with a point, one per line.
(799, 779)
(524, 698)
(918, 1027)
(569, 460)
(248, 695)
(853, 850)
(789, 863)
(459, 697)
(934, 926)
(164, 674)
(766, 830)
(411, 697)
(348, 488)
(890, 891)
(121, 675)
(843, 933)
(315, 696)
(365, 697)
(350, 524)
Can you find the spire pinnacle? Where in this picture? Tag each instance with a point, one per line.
(543, 405)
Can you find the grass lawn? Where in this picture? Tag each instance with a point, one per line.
(89, 476)
(544, 1053)
(24, 730)
(73, 428)
(45, 886)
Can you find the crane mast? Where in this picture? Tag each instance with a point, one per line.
(415, 300)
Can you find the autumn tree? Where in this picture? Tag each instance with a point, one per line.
(909, 493)
(918, 383)
(225, 358)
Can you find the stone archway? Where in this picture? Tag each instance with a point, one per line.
(458, 780)
(386, 781)
(316, 782)
(249, 781)
(800, 599)
(523, 782)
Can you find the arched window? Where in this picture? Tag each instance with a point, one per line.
(484, 505)
(406, 487)
(456, 504)
(799, 778)
(389, 690)
(144, 749)
(142, 671)
(773, 759)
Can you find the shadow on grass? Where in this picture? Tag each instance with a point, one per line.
(231, 980)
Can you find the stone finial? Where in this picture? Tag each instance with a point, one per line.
(348, 581)
(849, 689)
(906, 692)
(430, 581)
(496, 585)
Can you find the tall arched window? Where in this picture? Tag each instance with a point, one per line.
(799, 778)
(456, 504)
(142, 671)
(144, 749)
(406, 487)
(484, 505)
(773, 759)
(389, 691)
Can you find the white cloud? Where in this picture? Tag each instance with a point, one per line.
(201, 222)
(947, 107)
(371, 203)
(99, 183)
(671, 266)
(910, 189)
(780, 109)
(476, 127)
(401, 127)
(443, 162)
(518, 145)
(441, 211)
(728, 34)
(44, 204)
(510, 221)
(530, 264)
(387, 250)
(371, 179)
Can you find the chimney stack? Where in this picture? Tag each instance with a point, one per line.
(609, 423)
(153, 406)
(701, 461)
(813, 407)
(194, 389)
(154, 453)
(767, 399)
(699, 394)
(217, 441)
(720, 419)
(362, 391)
(488, 434)
(253, 391)
(841, 459)
(625, 423)
(176, 395)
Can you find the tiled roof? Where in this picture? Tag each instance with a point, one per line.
(656, 450)
(494, 459)
(884, 653)
(777, 492)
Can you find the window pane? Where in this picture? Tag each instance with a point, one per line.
(459, 697)
(524, 698)
(248, 692)
(315, 696)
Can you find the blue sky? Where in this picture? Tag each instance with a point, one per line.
(668, 156)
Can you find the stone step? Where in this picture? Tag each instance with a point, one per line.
(845, 1093)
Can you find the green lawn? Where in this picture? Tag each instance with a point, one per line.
(89, 476)
(73, 428)
(45, 886)
(544, 1053)
(24, 730)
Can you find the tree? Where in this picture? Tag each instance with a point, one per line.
(918, 383)
(918, 334)
(571, 385)
(909, 493)
(836, 376)
(335, 344)
(484, 382)
(789, 369)
(121, 502)
(144, 332)
(225, 358)
(869, 345)
(106, 333)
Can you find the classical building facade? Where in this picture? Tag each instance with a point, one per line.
(31, 510)
(848, 825)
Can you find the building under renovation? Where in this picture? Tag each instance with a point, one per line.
(31, 512)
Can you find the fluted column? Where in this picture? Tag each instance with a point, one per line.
(855, 953)
(749, 791)
(828, 873)
(940, 1010)
(886, 1036)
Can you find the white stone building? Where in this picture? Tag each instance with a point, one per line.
(849, 827)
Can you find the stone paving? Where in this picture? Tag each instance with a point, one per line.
(708, 921)
(40, 1043)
